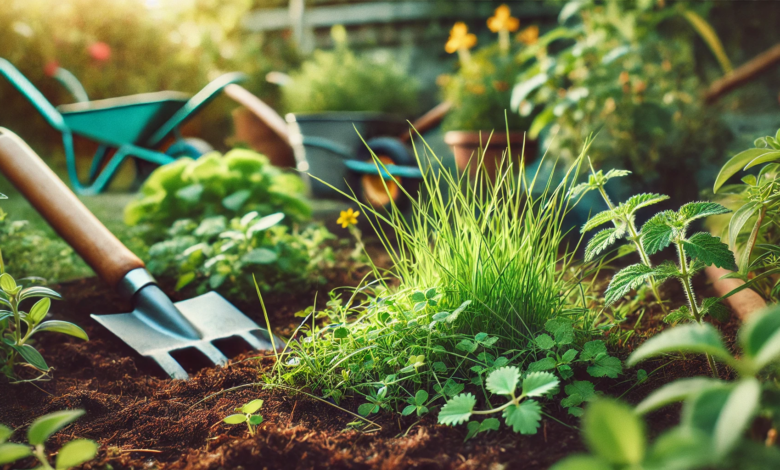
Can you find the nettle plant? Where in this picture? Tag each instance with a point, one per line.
(753, 229)
(715, 414)
(18, 326)
(247, 414)
(72, 454)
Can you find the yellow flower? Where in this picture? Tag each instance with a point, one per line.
(502, 20)
(529, 35)
(460, 38)
(347, 218)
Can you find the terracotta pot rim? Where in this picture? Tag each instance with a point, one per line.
(473, 137)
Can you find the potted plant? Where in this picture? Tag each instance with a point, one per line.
(478, 128)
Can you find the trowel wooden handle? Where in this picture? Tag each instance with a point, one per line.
(110, 259)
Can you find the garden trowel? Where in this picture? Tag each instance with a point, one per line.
(157, 327)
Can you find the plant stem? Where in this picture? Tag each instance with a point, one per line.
(685, 279)
(17, 332)
(634, 237)
(40, 454)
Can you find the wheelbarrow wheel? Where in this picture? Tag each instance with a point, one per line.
(375, 190)
(192, 147)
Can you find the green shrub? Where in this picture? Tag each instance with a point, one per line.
(340, 80)
(233, 185)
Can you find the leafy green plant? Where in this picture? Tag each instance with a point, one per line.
(756, 243)
(520, 413)
(247, 414)
(72, 454)
(240, 182)
(17, 326)
(224, 255)
(340, 80)
(622, 216)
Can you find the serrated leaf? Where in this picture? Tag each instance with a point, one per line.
(606, 366)
(503, 381)
(593, 349)
(43, 427)
(603, 240)
(562, 330)
(537, 384)
(678, 390)
(598, 219)
(75, 453)
(581, 388)
(715, 309)
(544, 341)
(681, 314)
(615, 173)
(614, 432)
(703, 339)
(626, 280)
(656, 233)
(524, 418)
(548, 363)
(697, 210)
(639, 201)
(234, 419)
(710, 250)
(457, 410)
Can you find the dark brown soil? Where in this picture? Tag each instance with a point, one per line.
(143, 420)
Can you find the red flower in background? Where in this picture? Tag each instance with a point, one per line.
(51, 68)
(99, 51)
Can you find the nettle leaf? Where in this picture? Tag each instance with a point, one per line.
(697, 210)
(606, 366)
(639, 201)
(562, 330)
(657, 232)
(524, 418)
(598, 219)
(592, 349)
(715, 309)
(710, 250)
(537, 384)
(544, 341)
(703, 339)
(582, 388)
(603, 240)
(626, 280)
(503, 381)
(613, 173)
(681, 314)
(457, 410)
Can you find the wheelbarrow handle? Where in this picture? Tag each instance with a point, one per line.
(110, 259)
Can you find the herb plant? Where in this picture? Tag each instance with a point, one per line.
(753, 229)
(17, 326)
(224, 255)
(72, 454)
(240, 182)
(247, 414)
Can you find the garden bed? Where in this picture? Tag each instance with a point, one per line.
(143, 420)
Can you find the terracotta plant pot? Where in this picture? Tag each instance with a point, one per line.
(743, 303)
(466, 146)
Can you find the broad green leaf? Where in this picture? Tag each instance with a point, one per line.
(562, 330)
(11, 452)
(544, 341)
(626, 280)
(418, 297)
(5, 433)
(700, 209)
(252, 407)
(760, 336)
(367, 408)
(260, 256)
(678, 390)
(606, 366)
(466, 345)
(457, 410)
(537, 384)
(592, 349)
(703, 339)
(340, 332)
(489, 424)
(473, 429)
(235, 419)
(38, 291)
(581, 462)
(614, 432)
(59, 326)
(585, 389)
(75, 453)
(31, 356)
(639, 201)
(736, 415)
(7, 282)
(235, 201)
(709, 250)
(598, 219)
(765, 158)
(682, 448)
(255, 420)
(736, 164)
(39, 310)
(191, 193)
(603, 240)
(43, 427)
(569, 355)
(408, 410)
(656, 233)
(265, 223)
(548, 363)
(739, 219)
(421, 397)
(523, 418)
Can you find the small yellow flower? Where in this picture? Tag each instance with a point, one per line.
(347, 218)
(529, 35)
(502, 20)
(460, 38)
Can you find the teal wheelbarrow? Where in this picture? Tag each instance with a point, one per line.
(134, 126)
